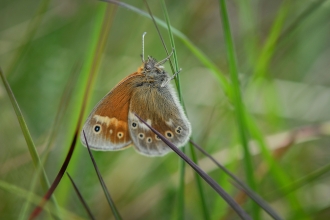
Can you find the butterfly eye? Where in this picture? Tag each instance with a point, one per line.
(169, 134)
(141, 136)
(97, 129)
(149, 140)
(178, 130)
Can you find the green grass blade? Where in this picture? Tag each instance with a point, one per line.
(307, 179)
(81, 198)
(279, 175)
(103, 185)
(312, 8)
(217, 188)
(238, 103)
(182, 164)
(30, 144)
(268, 50)
(194, 157)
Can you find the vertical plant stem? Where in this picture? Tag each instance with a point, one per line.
(192, 149)
(238, 102)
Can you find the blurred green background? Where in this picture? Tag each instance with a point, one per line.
(48, 48)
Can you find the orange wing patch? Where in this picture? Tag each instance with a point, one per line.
(113, 129)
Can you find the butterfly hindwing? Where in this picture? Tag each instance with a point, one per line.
(106, 127)
(160, 108)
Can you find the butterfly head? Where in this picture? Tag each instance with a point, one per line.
(153, 69)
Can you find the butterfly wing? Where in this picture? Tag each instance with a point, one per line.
(160, 108)
(106, 127)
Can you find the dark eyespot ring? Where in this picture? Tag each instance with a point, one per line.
(141, 136)
(97, 128)
(134, 125)
(120, 135)
(149, 140)
(169, 134)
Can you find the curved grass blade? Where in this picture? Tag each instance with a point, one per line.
(231, 202)
(104, 187)
(263, 204)
(182, 164)
(32, 149)
(89, 212)
(238, 102)
(60, 174)
(303, 181)
(66, 97)
(57, 180)
(314, 5)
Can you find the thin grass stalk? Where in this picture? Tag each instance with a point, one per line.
(194, 157)
(81, 198)
(315, 175)
(268, 49)
(314, 5)
(242, 185)
(30, 144)
(200, 172)
(280, 177)
(59, 176)
(238, 103)
(104, 186)
(182, 164)
(66, 97)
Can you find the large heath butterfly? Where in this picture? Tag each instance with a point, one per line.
(112, 125)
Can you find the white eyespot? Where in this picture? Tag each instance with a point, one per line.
(141, 136)
(149, 140)
(134, 125)
(97, 129)
(111, 131)
(120, 135)
(157, 137)
(178, 130)
(169, 134)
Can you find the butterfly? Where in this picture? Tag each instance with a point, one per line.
(113, 125)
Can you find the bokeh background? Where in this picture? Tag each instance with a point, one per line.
(49, 48)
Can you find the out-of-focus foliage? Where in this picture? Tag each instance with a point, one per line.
(283, 52)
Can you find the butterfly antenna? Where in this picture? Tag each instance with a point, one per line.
(167, 81)
(166, 59)
(143, 45)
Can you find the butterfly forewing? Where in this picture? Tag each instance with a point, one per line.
(106, 127)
